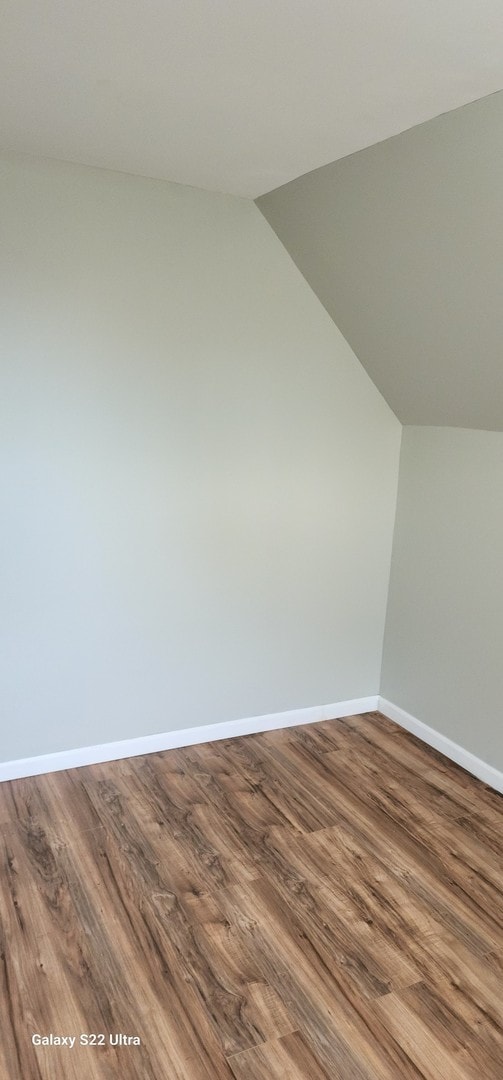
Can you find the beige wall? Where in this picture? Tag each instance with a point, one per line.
(198, 477)
(443, 655)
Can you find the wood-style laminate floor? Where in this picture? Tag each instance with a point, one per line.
(320, 903)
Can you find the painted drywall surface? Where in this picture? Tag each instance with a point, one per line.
(198, 477)
(444, 631)
(403, 244)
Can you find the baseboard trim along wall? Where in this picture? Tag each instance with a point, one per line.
(170, 740)
(474, 765)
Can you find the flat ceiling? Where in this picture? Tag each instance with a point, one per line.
(239, 96)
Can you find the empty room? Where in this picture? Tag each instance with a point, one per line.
(251, 540)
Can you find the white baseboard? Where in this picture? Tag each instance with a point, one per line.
(487, 773)
(169, 740)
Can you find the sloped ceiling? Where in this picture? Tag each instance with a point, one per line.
(403, 244)
(235, 95)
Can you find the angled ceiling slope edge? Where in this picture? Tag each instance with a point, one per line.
(237, 96)
(403, 244)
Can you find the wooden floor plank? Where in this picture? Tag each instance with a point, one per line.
(383, 822)
(427, 1051)
(316, 902)
(346, 1036)
(288, 1058)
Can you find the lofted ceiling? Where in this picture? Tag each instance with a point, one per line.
(238, 96)
(403, 244)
